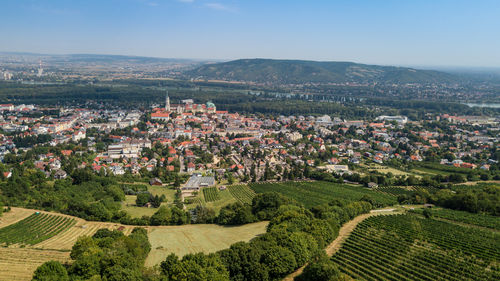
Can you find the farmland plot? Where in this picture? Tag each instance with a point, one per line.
(408, 247)
(242, 193)
(35, 229)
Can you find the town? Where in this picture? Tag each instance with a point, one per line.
(197, 139)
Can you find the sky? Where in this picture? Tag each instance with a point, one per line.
(388, 32)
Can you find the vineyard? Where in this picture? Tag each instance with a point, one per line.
(211, 194)
(408, 247)
(66, 240)
(314, 193)
(393, 190)
(242, 193)
(466, 217)
(35, 229)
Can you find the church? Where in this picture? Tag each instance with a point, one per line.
(187, 106)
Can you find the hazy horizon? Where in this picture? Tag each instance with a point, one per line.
(439, 33)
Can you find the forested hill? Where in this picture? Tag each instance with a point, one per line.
(298, 71)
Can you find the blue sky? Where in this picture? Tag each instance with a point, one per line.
(396, 32)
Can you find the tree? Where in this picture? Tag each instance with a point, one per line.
(235, 214)
(142, 199)
(243, 262)
(51, 271)
(321, 270)
(427, 213)
(177, 181)
(196, 267)
(265, 205)
(162, 217)
(279, 260)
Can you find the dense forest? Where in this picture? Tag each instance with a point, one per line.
(139, 94)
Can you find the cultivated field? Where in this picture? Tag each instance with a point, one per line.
(482, 220)
(395, 190)
(408, 247)
(224, 198)
(211, 194)
(242, 193)
(18, 264)
(195, 238)
(318, 192)
(35, 229)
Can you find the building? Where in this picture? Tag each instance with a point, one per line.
(196, 182)
(130, 149)
(60, 175)
(155, 181)
(398, 118)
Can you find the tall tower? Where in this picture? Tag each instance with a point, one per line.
(167, 103)
(40, 70)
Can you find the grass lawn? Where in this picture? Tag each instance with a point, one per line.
(194, 238)
(162, 190)
(385, 170)
(136, 212)
(432, 172)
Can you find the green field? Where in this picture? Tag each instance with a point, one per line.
(314, 193)
(136, 212)
(431, 172)
(394, 190)
(211, 194)
(482, 220)
(224, 198)
(35, 229)
(242, 193)
(161, 190)
(207, 238)
(408, 247)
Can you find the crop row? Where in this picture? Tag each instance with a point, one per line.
(466, 217)
(242, 193)
(35, 229)
(396, 191)
(211, 194)
(318, 192)
(405, 247)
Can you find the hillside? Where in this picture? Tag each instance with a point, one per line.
(298, 71)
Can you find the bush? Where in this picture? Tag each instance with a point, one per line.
(51, 271)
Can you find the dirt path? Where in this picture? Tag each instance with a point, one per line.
(344, 232)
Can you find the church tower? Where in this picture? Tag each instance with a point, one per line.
(167, 103)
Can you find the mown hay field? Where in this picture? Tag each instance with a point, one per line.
(194, 238)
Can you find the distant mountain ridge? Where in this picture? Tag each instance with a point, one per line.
(302, 71)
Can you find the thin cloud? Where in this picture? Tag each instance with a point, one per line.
(219, 7)
(186, 1)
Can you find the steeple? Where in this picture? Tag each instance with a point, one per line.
(167, 103)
